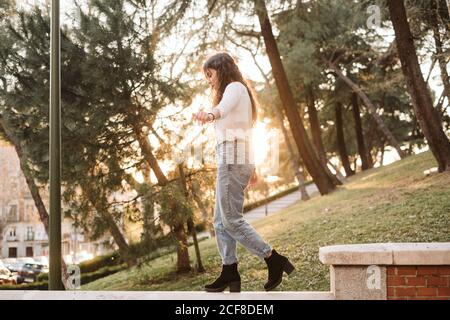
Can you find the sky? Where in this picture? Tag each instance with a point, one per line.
(246, 63)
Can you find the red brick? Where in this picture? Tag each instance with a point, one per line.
(415, 281)
(426, 292)
(405, 292)
(396, 298)
(427, 270)
(407, 271)
(390, 291)
(443, 292)
(437, 281)
(395, 281)
(391, 271)
(444, 270)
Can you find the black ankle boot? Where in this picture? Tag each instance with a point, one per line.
(276, 264)
(228, 277)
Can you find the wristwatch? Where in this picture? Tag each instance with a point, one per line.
(214, 117)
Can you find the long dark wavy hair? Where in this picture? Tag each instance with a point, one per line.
(227, 72)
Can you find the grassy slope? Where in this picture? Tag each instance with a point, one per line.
(396, 203)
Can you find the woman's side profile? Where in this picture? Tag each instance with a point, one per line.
(234, 114)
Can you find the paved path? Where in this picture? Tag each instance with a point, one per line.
(276, 205)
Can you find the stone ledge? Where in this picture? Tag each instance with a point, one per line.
(162, 295)
(432, 253)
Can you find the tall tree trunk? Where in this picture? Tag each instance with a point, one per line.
(440, 54)
(372, 109)
(383, 148)
(106, 216)
(306, 151)
(183, 263)
(293, 160)
(371, 137)
(193, 232)
(317, 136)
(341, 141)
(190, 221)
(366, 162)
(34, 190)
(117, 235)
(421, 100)
(448, 8)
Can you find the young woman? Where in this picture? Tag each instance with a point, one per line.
(234, 114)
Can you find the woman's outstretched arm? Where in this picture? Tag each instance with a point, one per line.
(229, 101)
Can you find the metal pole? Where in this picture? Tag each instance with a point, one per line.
(55, 280)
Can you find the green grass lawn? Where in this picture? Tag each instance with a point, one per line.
(395, 203)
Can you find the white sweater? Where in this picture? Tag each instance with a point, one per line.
(235, 110)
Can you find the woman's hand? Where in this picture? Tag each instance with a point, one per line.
(253, 180)
(202, 117)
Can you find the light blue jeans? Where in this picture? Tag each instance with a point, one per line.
(234, 170)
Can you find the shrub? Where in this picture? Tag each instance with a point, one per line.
(103, 272)
(42, 285)
(42, 277)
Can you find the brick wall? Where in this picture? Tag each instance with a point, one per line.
(418, 282)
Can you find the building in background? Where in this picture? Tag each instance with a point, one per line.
(22, 234)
